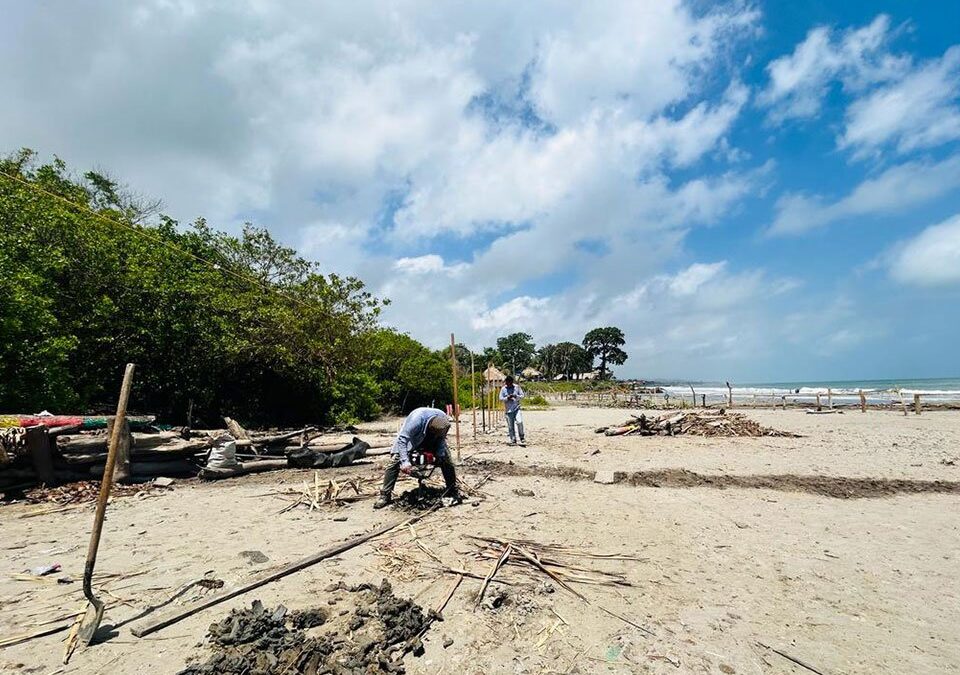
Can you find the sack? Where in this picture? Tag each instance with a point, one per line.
(224, 454)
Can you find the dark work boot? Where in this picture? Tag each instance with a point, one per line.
(382, 500)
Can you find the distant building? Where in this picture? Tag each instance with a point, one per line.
(531, 373)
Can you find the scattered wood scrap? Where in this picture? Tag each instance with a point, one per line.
(702, 423)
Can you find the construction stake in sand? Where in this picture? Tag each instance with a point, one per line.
(456, 403)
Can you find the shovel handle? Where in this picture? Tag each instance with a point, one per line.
(107, 481)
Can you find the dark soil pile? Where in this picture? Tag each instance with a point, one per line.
(370, 633)
(419, 499)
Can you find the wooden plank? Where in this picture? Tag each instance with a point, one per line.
(259, 581)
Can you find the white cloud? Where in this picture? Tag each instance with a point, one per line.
(932, 258)
(858, 58)
(893, 191)
(921, 110)
(691, 279)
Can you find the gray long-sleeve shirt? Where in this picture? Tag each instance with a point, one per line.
(511, 404)
(413, 434)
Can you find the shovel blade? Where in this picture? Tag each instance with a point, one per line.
(91, 622)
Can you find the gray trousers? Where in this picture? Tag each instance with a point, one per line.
(514, 425)
(392, 472)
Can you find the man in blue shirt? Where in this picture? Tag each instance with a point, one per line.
(424, 429)
(511, 394)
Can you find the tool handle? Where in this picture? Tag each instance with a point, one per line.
(107, 481)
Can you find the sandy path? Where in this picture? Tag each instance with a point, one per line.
(849, 585)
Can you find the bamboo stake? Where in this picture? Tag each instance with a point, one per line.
(473, 395)
(456, 404)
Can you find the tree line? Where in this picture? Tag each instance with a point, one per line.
(92, 277)
(517, 351)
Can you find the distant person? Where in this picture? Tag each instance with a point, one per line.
(424, 429)
(511, 394)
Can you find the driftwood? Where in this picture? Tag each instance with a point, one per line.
(257, 582)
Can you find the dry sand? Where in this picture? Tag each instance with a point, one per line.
(742, 544)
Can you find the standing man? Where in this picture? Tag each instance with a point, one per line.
(511, 394)
(424, 429)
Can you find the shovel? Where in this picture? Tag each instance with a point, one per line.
(91, 620)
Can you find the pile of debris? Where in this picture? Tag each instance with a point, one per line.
(53, 450)
(705, 423)
(371, 633)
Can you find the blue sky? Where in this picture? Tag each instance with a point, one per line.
(754, 191)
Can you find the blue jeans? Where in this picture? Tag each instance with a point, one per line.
(514, 425)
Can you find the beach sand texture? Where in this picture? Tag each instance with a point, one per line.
(840, 549)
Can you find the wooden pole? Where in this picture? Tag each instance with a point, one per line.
(819, 408)
(694, 396)
(729, 395)
(916, 403)
(121, 472)
(456, 404)
(830, 398)
(473, 395)
(210, 601)
(863, 402)
(902, 402)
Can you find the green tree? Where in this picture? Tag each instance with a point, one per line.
(565, 358)
(516, 351)
(605, 344)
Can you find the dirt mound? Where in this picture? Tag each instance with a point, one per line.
(840, 487)
(371, 633)
(713, 423)
(419, 499)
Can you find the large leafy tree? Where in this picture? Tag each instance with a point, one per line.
(92, 278)
(564, 358)
(516, 351)
(605, 344)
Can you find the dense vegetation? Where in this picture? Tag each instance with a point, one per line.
(92, 277)
(235, 325)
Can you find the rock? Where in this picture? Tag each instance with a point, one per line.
(524, 492)
(605, 477)
(447, 641)
(162, 481)
(255, 557)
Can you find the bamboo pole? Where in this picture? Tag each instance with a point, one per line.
(473, 395)
(456, 404)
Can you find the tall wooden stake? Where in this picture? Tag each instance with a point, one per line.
(456, 404)
(863, 402)
(473, 395)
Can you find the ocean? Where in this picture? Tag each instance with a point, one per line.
(932, 390)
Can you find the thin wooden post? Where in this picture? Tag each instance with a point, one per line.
(703, 400)
(456, 404)
(784, 400)
(819, 408)
(902, 402)
(863, 402)
(916, 403)
(473, 395)
(729, 395)
(830, 398)
(694, 396)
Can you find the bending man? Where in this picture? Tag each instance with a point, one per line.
(424, 429)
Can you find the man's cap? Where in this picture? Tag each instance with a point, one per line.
(439, 425)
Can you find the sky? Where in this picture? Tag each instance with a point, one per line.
(752, 191)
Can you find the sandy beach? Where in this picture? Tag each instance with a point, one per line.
(839, 549)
